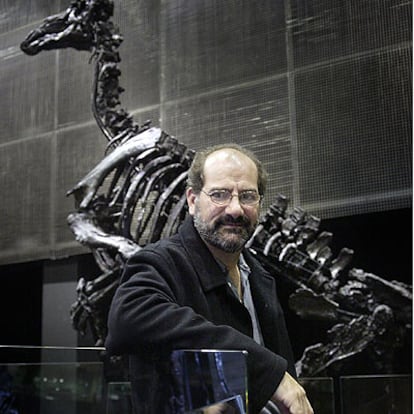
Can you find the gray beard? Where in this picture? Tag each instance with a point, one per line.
(211, 234)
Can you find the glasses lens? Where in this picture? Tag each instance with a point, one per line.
(249, 198)
(220, 196)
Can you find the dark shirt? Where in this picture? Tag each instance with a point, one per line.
(174, 295)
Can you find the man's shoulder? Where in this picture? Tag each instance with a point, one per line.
(183, 241)
(161, 246)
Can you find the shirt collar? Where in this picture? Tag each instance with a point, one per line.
(244, 267)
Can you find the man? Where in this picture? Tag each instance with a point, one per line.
(200, 289)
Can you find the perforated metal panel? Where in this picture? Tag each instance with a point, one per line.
(320, 90)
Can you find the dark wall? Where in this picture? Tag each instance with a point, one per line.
(21, 303)
(382, 242)
(35, 303)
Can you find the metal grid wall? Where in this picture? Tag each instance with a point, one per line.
(320, 90)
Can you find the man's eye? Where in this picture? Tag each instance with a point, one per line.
(219, 195)
(249, 197)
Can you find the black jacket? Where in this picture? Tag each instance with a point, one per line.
(174, 295)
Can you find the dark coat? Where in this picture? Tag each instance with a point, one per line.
(174, 295)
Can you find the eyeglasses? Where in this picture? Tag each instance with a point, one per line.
(224, 197)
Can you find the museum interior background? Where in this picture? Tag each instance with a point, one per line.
(320, 90)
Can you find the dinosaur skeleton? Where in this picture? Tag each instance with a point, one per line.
(136, 195)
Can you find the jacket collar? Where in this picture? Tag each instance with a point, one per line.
(210, 272)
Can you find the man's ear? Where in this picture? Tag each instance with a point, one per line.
(191, 199)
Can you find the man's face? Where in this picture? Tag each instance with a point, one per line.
(226, 227)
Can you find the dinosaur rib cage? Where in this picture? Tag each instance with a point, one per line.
(144, 200)
(153, 195)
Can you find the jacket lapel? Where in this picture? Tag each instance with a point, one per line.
(263, 287)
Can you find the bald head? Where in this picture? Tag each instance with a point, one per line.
(214, 156)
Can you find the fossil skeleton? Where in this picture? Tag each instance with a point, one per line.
(136, 195)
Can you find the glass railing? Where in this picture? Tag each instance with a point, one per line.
(51, 380)
(321, 393)
(376, 394)
(64, 380)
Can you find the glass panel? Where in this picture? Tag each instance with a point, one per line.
(205, 382)
(320, 392)
(376, 394)
(50, 380)
(64, 388)
(234, 405)
(119, 398)
(20, 354)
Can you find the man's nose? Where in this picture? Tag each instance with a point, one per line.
(234, 208)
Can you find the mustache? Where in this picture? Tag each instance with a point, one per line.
(227, 219)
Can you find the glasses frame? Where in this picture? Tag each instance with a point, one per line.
(226, 203)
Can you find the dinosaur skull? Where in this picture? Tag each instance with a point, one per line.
(72, 28)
